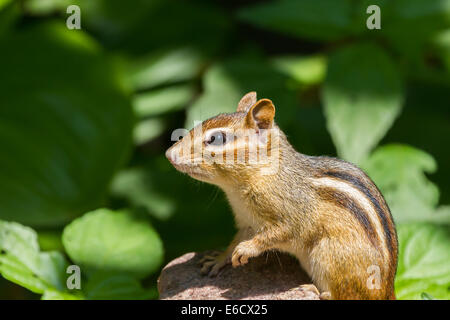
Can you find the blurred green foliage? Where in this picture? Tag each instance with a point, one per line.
(86, 116)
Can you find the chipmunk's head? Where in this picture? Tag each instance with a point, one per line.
(229, 147)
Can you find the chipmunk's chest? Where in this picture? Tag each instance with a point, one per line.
(243, 210)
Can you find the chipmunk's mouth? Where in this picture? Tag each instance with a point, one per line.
(189, 166)
(191, 170)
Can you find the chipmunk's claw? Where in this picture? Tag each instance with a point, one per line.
(238, 260)
(242, 253)
(312, 288)
(213, 263)
(209, 257)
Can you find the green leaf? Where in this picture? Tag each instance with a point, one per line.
(137, 187)
(43, 7)
(426, 296)
(306, 70)
(441, 43)
(113, 241)
(414, 17)
(65, 125)
(10, 13)
(110, 286)
(4, 3)
(317, 20)
(143, 26)
(51, 294)
(114, 18)
(221, 95)
(424, 261)
(362, 97)
(399, 172)
(147, 130)
(23, 263)
(225, 83)
(163, 100)
(163, 68)
(441, 214)
(50, 240)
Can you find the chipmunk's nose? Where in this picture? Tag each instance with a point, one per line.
(171, 155)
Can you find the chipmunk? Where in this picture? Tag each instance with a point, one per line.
(325, 211)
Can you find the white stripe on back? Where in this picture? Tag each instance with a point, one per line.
(360, 198)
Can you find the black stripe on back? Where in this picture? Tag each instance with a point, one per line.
(343, 201)
(364, 189)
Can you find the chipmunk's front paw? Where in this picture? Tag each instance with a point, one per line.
(213, 263)
(312, 288)
(242, 252)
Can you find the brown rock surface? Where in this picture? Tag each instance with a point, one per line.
(272, 276)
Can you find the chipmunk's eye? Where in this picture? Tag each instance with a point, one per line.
(217, 139)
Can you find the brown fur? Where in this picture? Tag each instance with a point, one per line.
(330, 233)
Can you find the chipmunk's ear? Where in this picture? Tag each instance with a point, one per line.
(261, 115)
(246, 102)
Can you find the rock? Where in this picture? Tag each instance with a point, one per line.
(271, 276)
